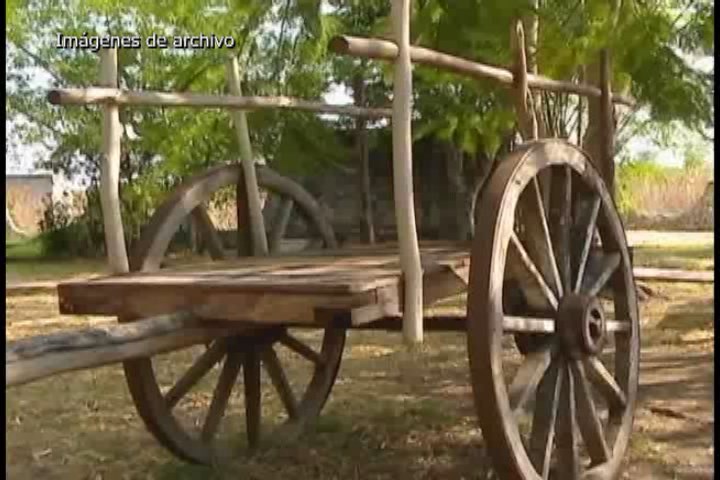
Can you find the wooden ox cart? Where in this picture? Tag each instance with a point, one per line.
(552, 316)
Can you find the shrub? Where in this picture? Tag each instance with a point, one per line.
(650, 195)
(64, 234)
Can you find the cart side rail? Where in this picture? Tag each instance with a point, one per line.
(148, 98)
(402, 54)
(382, 49)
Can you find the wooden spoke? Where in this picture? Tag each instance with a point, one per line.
(280, 223)
(527, 378)
(546, 233)
(614, 326)
(209, 233)
(561, 220)
(599, 272)
(529, 273)
(587, 242)
(197, 371)
(516, 324)
(279, 380)
(223, 389)
(543, 426)
(301, 349)
(251, 377)
(169, 425)
(575, 430)
(588, 419)
(605, 382)
(566, 441)
(537, 235)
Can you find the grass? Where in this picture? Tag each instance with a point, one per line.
(393, 413)
(665, 198)
(24, 262)
(689, 257)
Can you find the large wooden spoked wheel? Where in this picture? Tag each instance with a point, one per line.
(181, 404)
(554, 365)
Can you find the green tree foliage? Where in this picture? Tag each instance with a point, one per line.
(287, 61)
(281, 45)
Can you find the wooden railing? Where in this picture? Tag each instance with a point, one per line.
(402, 54)
(111, 98)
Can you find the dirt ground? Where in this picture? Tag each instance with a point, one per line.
(393, 413)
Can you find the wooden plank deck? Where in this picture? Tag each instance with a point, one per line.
(362, 281)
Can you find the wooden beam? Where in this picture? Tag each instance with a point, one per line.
(116, 96)
(257, 223)
(387, 50)
(403, 176)
(41, 356)
(526, 116)
(434, 323)
(110, 169)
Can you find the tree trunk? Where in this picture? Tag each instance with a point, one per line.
(595, 140)
(460, 199)
(367, 228)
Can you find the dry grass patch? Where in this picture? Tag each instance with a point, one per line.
(393, 414)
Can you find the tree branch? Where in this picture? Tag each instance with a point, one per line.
(39, 62)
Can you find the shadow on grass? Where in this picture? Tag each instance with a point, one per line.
(389, 443)
(24, 261)
(692, 315)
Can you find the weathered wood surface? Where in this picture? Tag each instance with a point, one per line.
(254, 207)
(403, 176)
(286, 289)
(41, 356)
(387, 50)
(115, 96)
(110, 169)
(526, 112)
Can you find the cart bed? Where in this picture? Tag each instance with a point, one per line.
(361, 281)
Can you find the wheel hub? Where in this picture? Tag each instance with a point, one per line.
(581, 325)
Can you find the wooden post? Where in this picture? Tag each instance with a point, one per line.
(361, 143)
(527, 120)
(110, 169)
(606, 123)
(403, 177)
(531, 24)
(257, 223)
